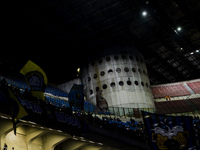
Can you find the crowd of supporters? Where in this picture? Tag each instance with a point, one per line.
(132, 129)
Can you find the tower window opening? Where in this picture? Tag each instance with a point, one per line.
(110, 71)
(97, 89)
(107, 58)
(126, 69)
(104, 86)
(116, 57)
(112, 84)
(91, 92)
(95, 76)
(118, 70)
(131, 57)
(129, 82)
(133, 69)
(102, 73)
(121, 83)
(100, 61)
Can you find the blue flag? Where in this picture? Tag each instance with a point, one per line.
(169, 132)
(76, 97)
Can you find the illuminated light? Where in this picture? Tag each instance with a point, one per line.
(59, 131)
(23, 121)
(100, 143)
(91, 141)
(78, 70)
(179, 29)
(4, 117)
(50, 129)
(197, 50)
(192, 53)
(75, 138)
(144, 13)
(32, 122)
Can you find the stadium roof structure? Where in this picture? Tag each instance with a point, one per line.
(166, 32)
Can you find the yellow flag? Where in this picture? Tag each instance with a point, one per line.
(36, 78)
(17, 110)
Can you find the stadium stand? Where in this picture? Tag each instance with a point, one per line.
(169, 90)
(172, 107)
(196, 102)
(195, 86)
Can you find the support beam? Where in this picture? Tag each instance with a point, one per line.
(51, 140)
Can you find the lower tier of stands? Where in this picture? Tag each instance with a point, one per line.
(178, 106)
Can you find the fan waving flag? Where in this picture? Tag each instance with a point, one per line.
(17, 110)
(36, 78)
(169, 132)
(76, 97)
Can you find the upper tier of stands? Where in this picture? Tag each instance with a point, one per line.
(23, 85)
(177, 89)
(195, 86)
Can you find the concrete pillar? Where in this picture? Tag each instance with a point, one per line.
(50, 140)
(33, 134)
(5, 127)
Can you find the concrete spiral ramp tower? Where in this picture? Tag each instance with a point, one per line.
(120, 72)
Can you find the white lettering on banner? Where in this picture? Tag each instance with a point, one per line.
(30, 105)
(61, 117)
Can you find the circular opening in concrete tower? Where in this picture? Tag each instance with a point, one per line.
(97, 89)
(89, 79)
(131, 57)
(100, 61)
(112, 84)
(147, 85)
(129, 82)
(116, 57)
(118, 70)
(91, 92)
(95, 76)
(126, 69)
(110, 71)
(133, 69)
(107, 58)
(104, 86)
(102, 73)
(136, 82)
(121, 83)
(142, 83)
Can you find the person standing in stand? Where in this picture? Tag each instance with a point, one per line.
(5, 146)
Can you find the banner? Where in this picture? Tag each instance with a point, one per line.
(101, 102)
(36, 78)
(76, 97)
(41, 113)
(17, 110)
(11, 105)
(169, 132)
